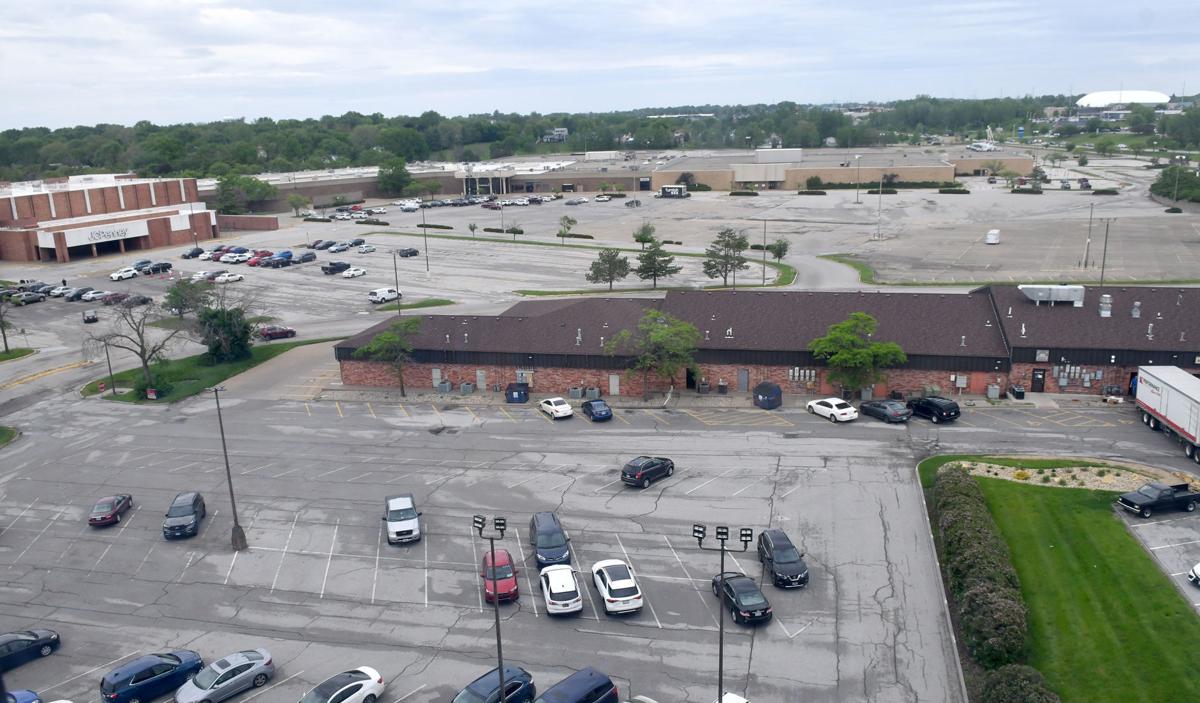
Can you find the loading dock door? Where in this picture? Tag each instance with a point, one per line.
(614, 384)
(743, 380)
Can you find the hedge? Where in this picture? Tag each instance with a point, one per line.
(615, 195)
(510, 230)
(668, 241)
(885, 191)
(495, 230)
(1031, 191)
(1104, 191)
(743, 192)
(895, 184)
(573, 235)
(1016, 683)
(757, 247)
(373, 221)
(432, 226)
(317, 219)
(954, 191)
(1174, 210)
(330, 206)
(699, 187)
(810, 192)
(978, 565)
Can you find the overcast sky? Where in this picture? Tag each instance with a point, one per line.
(120, 61)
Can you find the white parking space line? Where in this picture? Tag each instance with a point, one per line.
(748, 485)
(555, 488)
(644, 596)
(522, 483)
(475, 555)
(426, 560)
(586, 586)
(329, 561)
(190, 555)
(285, 473)
(398, 478)
(181, 467)
(283, 555)
(791, 491)
(79, 676)
(18, 517)
(418, 688)
(257, 468)
(39, 534)
(375, 577)
(332, 471)
(1159, 522)
(617, 480)
(100, 559)
(151, 551)
(235, 554)
(685, 573)
(528, 580)
(352, 480)
(268, 688)
(133, 512)
(1177, 544)
(714, 478)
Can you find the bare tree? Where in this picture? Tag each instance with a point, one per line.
(5, 304)
(131, 330)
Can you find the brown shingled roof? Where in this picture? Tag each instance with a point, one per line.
(1174, 314)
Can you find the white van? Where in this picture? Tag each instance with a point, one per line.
(383, 295)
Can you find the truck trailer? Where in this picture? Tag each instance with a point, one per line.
(1168, 399)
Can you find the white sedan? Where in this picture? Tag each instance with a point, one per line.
(229, 277)
(366, 249)
(94, 295)
(560, 589)
(127, 272)
(205, 256)
(354, 272)
(59, 291)
(617, 587)
(603, 198)
(556, 408)
(361, 685)
(833, 409)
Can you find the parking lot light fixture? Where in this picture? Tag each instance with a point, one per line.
(239, 535)
(858, 177)
(746, 536)
(396, 273)
(499, 525)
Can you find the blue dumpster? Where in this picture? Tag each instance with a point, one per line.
(768, 396)
(516, 393)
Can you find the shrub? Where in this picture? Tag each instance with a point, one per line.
(317, 219)
(954, 191)
(574, 235)
(994, 626)
(668, 241)
(1104, 191)
(885, 191)
(495, 230)
(757, 247)
(1041, 471)
(1029, 191)
(744, 192)
(373, 221)
(1062, 481)
(1045, 479)
(1016, 683)
(1174, 210)
(810, 192)
(1021, 475)
(1102, 472)
(514, 230)
(813, 183)
(699, 187)
(433, 226)
(616, 195)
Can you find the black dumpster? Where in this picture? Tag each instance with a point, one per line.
(768, 396)
(1017, 391)
(516, 393)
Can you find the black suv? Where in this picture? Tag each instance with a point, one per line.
(334, 267)
(783, 561)
(184, 516)
(549, 540)
(584, 686)
(741, 595)
(644, 469)
(306, 257)
(934, 407)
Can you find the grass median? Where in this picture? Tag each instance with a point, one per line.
(190, 375)
(7, 434)
(15, 353)
(1105, 623)
(428, 303)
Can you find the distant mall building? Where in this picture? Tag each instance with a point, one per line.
(93, 215)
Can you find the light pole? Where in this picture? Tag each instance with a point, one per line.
(425, 235)
(499, 524)
(1104, 253)
(764, 281)
(239, 536)
(879, 208)
(396, 273)
(746, 535)
(858, 177)
(1178, 170)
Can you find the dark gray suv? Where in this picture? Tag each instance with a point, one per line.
(549, 540)
(783, 562)
(184, 516)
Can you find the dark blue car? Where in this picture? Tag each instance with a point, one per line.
(518, 685)
(596, 410)
(22, 696)
(584, 686)
(149, 676)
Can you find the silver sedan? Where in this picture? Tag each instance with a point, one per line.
(227, 677)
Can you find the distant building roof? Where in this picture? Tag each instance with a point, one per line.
(1104, 98)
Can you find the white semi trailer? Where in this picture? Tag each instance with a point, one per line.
(1169, 400)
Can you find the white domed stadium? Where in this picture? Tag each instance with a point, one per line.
(1105, 98)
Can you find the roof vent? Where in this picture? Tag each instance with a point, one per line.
(1181, 334)
(602, 342)
(1150, 331)
(465, 338)
(1179, 299)
(1009, 311)
(578, 336)
(1158, 315)
(604, 325)
(447, 339)
(1137, 309)
(1106, 305)
(963, 343)
(988, 323)
(706, 337)
(729, 333)
(1022, 329)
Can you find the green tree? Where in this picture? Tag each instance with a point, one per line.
(237, 194)
(226, 332)
(296, 201)
(608, 267)
(813, 183)
(393, 346)
(1070, 147)
(644, 235)
(686, 178)
(1082, 160)
(1105, 147)
(5, 304)
(853, 359)
(654, 263)
(394, 177)
(779, 249)
(723, 257)
(663, 345)
(472, 227)
(186, 296)
(565, 223)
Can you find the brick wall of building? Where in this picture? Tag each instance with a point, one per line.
(18, 246)
(543, 379)
(248, 222)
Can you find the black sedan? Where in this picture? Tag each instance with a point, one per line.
(596, 410)
(886, 410)
(16, 648)
(644, 469)
(407, 252)
(107, 511)
(741, 595)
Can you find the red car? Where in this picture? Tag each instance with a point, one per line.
(505, 575)
(256, 260)
(263, 253)
(107, 511)
(114, 298)
(275, 332)
(490, 206)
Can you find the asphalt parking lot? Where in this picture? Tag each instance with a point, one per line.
(1171, 539)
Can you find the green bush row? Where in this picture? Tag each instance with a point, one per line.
(317, 219)
(757, 247)
(1016, 683)
(433, 226)
(954, 191)
(743, 192)
(810, 192)
(573, 235)
(1104, 191)
(373, 221)
(668, 241)
(894, 184)
(699, 187)
(1174, 210)
(1030, 191)
(885, 191)
(510, 230)
(978, 566)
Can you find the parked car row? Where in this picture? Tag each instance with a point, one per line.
(936, 408)
(35, 292)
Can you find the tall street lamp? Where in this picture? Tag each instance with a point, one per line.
(425, 235)
(499, 524)
(857, 178)
(239, 535)
(396, 273)
(746, 535)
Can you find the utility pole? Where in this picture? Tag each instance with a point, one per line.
(499, 525)
(764, 282)
(111, 382)
(1104, 256)
(425, 235)
(1088, 245)
(879, 209)
(396, 273)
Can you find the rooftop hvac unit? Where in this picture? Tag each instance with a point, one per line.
(1054, 294)
(993, 237)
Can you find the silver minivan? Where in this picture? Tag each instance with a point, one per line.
(402, 518)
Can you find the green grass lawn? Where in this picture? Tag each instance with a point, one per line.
(188, 376)
(7, 434)
(15, 353)
(427, 303)
(866, 274)
(1105, 623)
